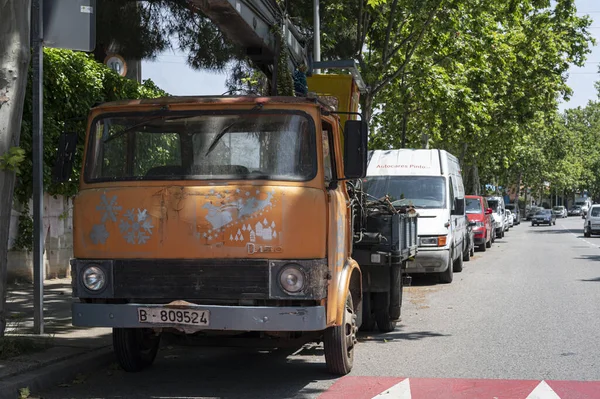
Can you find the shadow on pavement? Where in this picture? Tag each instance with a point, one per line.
(597, 279)
(207, 372)
(397, 335)
(550, 230)
(589, 257)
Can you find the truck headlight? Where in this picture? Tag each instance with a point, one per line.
(94, 278)
(292, 279)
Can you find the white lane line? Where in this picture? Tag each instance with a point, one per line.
(543, 391)
(398, 391)
(577, 236)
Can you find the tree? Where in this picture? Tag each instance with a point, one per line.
(14, 59)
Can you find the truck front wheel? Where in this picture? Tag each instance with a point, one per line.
(339, 341)
(135, 348)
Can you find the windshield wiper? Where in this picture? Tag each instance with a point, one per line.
(220, 135)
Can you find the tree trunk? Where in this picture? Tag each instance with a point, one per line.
(15, 18)
(367, 107)
(476, 182)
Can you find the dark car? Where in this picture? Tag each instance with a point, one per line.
(480, 215)
(516, 213)
(545, 216)
(531, 212)
(575, 211)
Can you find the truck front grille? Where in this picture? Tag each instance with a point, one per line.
(191, 279)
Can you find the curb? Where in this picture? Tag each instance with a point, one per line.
(53, 374)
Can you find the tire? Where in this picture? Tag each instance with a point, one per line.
(447, 276)
(368, 319)
(339, 342)
(457, 266)
(483, 247)
(532, 224)
(502, 234)
(135, 348)
(382, 313)
(466, 255)
(472, 250)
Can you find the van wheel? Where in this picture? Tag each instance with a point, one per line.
(447, 276)
(483, 247)
(382, 313)
(135, 348)
(339, 342)
(458, 265)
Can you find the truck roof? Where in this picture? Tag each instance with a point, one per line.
(226, 100)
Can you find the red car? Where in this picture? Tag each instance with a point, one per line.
(480, 215)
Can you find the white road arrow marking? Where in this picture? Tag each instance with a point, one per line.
(543, 391)
(398, 391)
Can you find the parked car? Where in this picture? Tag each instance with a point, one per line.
(545, 216)
(497, 205)
(510, 218)
(532, 211)
(560, 211)
(479, 213)
(575, 211)
(592, 221)
(470, 247)
(516, 213)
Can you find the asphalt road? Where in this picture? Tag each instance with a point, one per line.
(528, 308)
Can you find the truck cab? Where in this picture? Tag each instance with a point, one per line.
(218, 216)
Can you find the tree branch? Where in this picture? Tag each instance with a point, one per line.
(388, 30)
(390, 77)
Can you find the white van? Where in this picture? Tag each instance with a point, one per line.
(430, 180)
(499, 215)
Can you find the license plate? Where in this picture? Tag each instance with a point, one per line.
(174, 316)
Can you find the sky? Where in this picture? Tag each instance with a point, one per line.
(171, 73)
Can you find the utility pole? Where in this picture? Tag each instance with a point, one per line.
(317, 34)
(37, 18)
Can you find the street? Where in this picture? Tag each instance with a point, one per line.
(526, 309)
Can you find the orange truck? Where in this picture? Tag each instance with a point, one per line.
(227, 217)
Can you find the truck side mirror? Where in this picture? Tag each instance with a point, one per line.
(459, 206)
(355, 149)
(67, 146)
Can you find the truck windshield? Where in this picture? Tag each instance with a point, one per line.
(269, 146)
(419, 191)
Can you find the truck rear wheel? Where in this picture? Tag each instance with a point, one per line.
(339, 341)
(368, 321)
(382, 313)
(135, 348)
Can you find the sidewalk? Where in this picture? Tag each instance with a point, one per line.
(60, 355)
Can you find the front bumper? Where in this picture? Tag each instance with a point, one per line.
(232, 318)
(429, 260)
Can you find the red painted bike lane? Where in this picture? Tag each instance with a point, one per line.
(433, 388)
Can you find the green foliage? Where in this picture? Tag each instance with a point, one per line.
(12, 159)
(73, 83)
